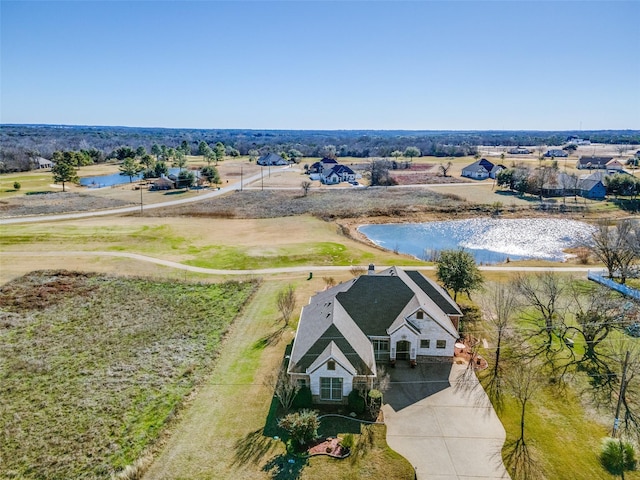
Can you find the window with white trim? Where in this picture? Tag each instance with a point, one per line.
(331, 365)
(330, 388)
(419, 314)
(441, 344)
(425, 343)
(380, 349)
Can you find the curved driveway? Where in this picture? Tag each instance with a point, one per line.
(446, 428)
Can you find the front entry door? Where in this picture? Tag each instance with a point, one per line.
(403, 348)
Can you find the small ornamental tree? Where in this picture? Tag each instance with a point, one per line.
(457, 270)
(302, 426)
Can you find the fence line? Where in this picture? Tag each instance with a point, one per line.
(607, 282)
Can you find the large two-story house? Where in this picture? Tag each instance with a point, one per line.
(386, 317)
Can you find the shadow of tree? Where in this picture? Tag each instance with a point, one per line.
(270, 339)
(519, 461)
(253, 447)
(285, 467)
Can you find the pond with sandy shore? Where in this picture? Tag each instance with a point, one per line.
(490, 240)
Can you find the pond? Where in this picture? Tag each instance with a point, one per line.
(489, 240)
(113, 179)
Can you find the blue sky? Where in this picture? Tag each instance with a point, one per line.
(418, 65)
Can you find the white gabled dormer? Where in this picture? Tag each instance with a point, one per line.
(331, 368)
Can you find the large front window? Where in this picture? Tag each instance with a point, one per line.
(330, 388)
(381, 349)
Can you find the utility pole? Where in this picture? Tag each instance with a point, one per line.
(623, 386)
(140, 199)
(240, 177)
(262, 177)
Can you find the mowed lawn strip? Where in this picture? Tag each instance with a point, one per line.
(93, 366)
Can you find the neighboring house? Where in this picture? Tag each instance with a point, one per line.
(591, 188)
(271, 159)
(519, 151)
(42, 162)
(614, 165)
(388, 317)
(556, 153)
(478, 170)
(163, 184)
(337, 174)
(323, 164)
(496, 170)
(577, 140)
(593, 162)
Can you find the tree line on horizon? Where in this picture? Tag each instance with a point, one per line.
(20, 144)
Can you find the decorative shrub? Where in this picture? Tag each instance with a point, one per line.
(303, 398)
(617, 456)
(302, 426)
(16, 185)
(356, 402)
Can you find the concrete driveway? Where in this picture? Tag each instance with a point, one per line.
(446, 432)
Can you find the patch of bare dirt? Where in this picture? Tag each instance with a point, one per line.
(41, 289)
(57, 202)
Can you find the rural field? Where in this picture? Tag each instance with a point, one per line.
(189, 353)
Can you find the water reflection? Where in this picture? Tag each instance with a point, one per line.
(489, 240)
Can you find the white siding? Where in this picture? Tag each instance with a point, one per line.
(339, 372)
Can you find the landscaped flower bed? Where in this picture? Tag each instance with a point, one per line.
(331, 447)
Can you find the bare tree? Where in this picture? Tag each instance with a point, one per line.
(544, 307)
(444, 168)
(617, 247)
(329, 281)
(357, 270)
(284, 387)
(499, 307)
(286, 303)
(305, 185)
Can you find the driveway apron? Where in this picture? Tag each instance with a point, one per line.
(443, 423)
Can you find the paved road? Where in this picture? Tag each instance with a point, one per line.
(236, 186)
(446, 432)
(262, 271)
(117, 211)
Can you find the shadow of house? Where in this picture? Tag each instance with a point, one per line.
(410, 385)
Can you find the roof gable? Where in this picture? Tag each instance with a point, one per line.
(435, 292)
(374, 302)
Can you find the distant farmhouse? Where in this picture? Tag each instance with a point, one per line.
(556, 153)
(519, 151)
(41, 162)
(590, 163)
(269, 159)
(575, 140)
(482, 169)
(387, 317)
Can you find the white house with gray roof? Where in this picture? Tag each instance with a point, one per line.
(386, 317)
